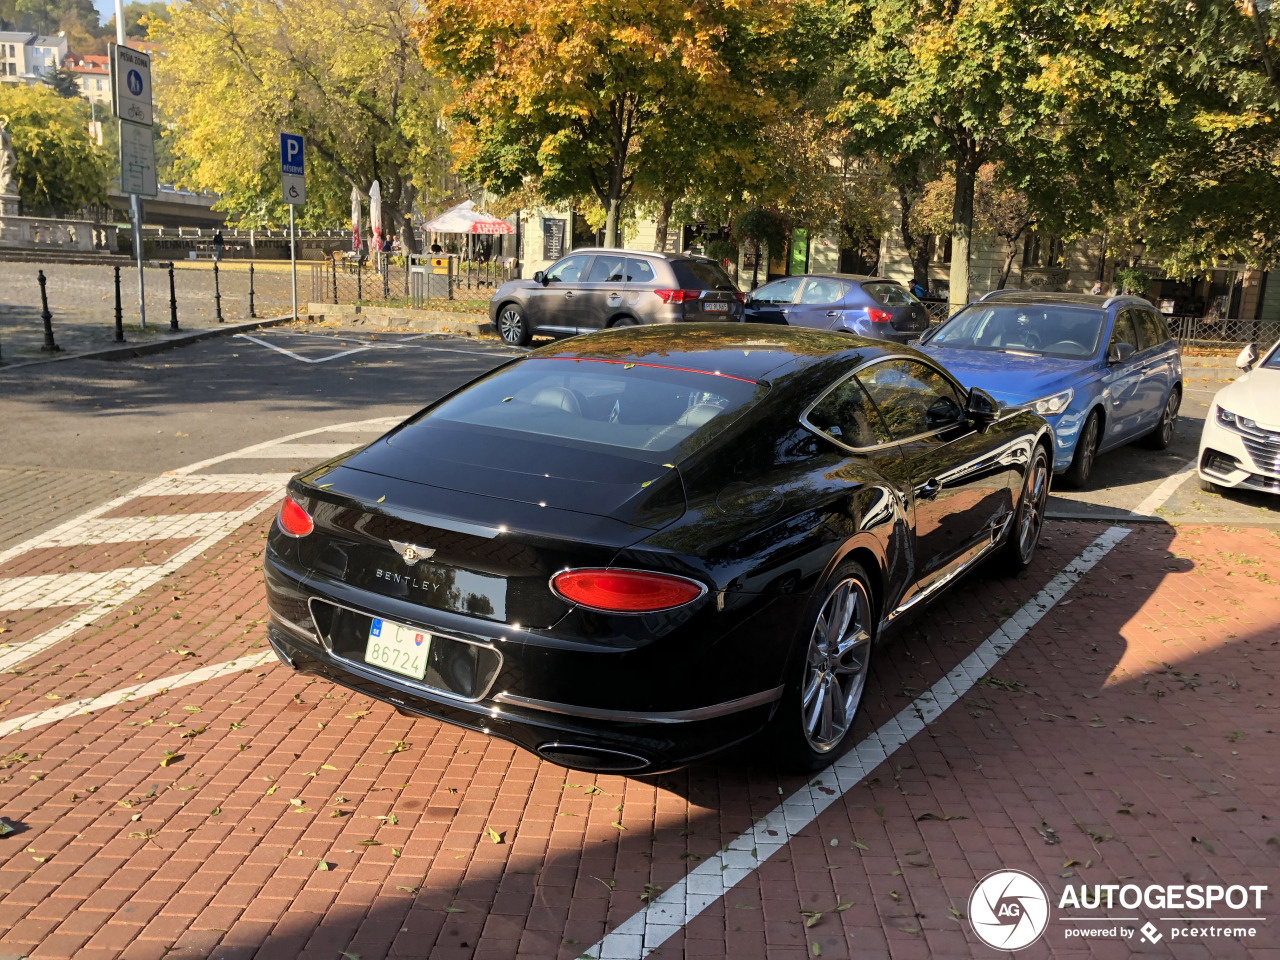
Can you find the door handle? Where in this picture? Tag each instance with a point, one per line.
(568, 294)
(930, 489)
(833, 313)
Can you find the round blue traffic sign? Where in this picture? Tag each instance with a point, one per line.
(134, 81)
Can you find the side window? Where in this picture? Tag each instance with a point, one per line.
(1150, 331)
(781, 291)
(847, 414)
(568, 270)
(1123, 331)
(912, 397)
(639, 271)
(607, 269)
(823, 290)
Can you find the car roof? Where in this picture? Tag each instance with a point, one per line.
(658, 254)
(1031, 297)
(856, 277)
(750, 351)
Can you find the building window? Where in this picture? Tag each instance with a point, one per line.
(1042, 251)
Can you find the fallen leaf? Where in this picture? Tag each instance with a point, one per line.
(494, 835)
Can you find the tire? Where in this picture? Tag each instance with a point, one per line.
(1028, 517)
(1077, 474)
(809, 733)
(1208, 486)
(1162, 435)
(513, 326)
(624, 322)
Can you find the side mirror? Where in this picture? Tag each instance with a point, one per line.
(981, 408)
(1119, 352)
(540, 277)
(1248, 357)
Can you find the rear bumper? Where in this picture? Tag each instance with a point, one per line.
(570, 734)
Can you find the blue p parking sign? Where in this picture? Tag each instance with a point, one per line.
(292, 169)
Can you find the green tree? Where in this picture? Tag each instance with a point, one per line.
(59, 168)
(63, 82)
(346, 76)
(595, 98)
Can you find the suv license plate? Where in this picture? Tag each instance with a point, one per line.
(715, 307)
(398, 648)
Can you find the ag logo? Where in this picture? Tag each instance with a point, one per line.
(1008, 910)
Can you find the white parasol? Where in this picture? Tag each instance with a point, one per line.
(355, 219)
(465, 218)
(375, 216)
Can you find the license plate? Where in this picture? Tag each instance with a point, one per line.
(398, 648)
(714, 307)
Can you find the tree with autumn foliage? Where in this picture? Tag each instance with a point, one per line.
(346, 76)
(594, 98)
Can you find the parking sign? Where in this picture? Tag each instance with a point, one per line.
(293, 181)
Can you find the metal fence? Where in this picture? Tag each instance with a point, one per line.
(1221, 332)
(416, 279)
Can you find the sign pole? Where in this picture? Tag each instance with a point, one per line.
(293, 262)
(145, 117)
(293, 190)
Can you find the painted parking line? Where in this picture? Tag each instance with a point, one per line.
(645, 931)
(297, 356)
(1161, 494)
(353, 426)
(124, 695)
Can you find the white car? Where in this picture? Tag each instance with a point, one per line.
(1240, 445)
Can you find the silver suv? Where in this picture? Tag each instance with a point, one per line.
(591, 289)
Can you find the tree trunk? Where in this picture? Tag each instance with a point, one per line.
(755, 266)
(962, 225)
(611, 223)
(660, 226)
(917, 247)
(1011, 251)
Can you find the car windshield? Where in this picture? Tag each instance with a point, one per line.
(701, 275)
(1050, 330)
(648, 409)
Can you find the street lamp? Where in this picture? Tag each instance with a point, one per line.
(1139, 248)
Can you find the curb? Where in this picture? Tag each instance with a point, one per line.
(130, 350)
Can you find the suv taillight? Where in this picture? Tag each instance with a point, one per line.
(678, 296)
(293, 520)
(739, 296)
(625, 591)
(878, 316)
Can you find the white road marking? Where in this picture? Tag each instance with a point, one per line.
(645, 931)
(293, 451)
(142, 579)
(65, 589)
(1167, 489)
(117, 697)
(353, 426)
(298, 356)
(143, 529)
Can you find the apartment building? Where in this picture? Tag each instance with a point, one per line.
(26, 57)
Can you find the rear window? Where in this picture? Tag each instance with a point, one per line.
(701, 275)
(649, 410)
(889, 294)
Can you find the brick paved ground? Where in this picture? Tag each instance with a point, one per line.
(36, 499)
(1129, 737)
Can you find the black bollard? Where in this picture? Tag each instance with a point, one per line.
(335, 279)
(173, 302)
(217, 294)
(252, 312)
(386, 276)
(119, 309)
(359, 285)
(47, 317)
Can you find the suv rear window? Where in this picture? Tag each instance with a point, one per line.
(701, 275)
(647, 410)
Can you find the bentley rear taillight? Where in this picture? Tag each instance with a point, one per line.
(625, 591)
(293, 520)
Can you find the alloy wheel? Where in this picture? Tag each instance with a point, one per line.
(1169, 420)
(1089, 448)
(511, 325)
(1032, 507)
(836, 666)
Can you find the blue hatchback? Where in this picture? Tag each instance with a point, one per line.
(850, 303)
(1102, 371)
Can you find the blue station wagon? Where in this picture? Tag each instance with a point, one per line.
(1103, 371)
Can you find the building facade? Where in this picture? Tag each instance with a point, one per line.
(27, 57)
(94, 77)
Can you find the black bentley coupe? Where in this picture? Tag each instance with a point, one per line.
(635, 548)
